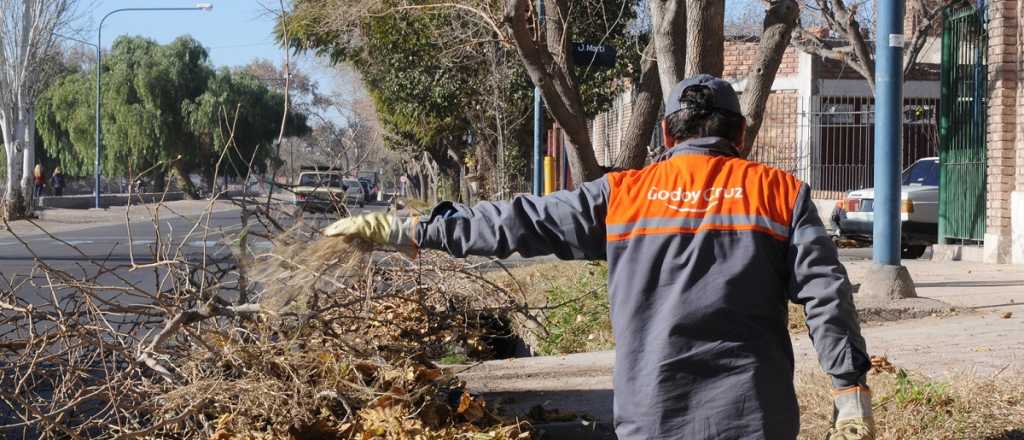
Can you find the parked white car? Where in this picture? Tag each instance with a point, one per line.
(853, 217)
(322, 191)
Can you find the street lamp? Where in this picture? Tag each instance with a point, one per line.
(206, 7)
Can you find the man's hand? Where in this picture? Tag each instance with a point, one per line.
(853, 418)
(378, 228)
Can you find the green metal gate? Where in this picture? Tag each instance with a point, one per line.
(962, 152)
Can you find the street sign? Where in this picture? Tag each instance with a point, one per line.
(590, 54)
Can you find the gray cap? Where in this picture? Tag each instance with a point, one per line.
(723, 96)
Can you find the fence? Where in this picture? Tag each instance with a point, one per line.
(826, 141)
(830, 145)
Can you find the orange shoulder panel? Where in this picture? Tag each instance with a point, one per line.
(691, 193)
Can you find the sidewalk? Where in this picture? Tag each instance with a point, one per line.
(960, 283)
(65, 220)
(979, 340)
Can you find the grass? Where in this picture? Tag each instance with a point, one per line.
(577, 318)
(580, 317)
(910, 406)
(454, 355)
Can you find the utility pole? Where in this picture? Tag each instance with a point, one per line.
(888, 279)
(888, 131)
(538, 121)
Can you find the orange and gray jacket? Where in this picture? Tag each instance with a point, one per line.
(704, 251)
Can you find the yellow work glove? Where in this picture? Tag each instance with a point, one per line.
(378, 228)
(852, 414)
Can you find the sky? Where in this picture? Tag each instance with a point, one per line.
(235, 31)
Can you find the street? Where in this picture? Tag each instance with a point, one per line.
(81, 252)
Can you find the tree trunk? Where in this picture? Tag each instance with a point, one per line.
(705, 37)
(779, 21)
(642, 125)
(26, 129)
(13, 198)
(181, 173)
(668, 20)
(557, 87)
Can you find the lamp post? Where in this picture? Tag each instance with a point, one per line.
(206, 7)
(538, 121)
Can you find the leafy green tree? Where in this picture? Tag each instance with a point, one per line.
(430, 70)
(237, 103)
(162, 104)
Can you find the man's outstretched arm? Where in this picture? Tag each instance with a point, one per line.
(568, 224)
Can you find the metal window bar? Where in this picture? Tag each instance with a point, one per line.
(831, 144)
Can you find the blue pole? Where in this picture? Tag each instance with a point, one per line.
(99, 94)
(888, 131)
(538, 142)
(538, 123)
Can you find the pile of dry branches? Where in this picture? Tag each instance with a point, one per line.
(321, 340)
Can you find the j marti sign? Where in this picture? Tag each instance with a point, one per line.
(590, 54)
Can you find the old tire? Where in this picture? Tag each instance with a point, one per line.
(912, 252)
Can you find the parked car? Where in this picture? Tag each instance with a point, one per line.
(354, 192)
(323, 190)
(367, 189)
(853, 217)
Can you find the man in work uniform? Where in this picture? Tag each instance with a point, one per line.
(704, 251)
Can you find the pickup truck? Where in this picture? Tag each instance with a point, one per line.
(324, 191)
(853, 216)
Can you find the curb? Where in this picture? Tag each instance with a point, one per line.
(576, 430)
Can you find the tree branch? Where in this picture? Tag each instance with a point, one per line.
(559, 93)
(668, 19)
(921, 36)
(779, 21)
(643, 123)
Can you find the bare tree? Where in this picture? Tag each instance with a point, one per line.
(705, 31)
(780, 18)
(689, 38)
(551, 69)
(26, 45)
(847, 22)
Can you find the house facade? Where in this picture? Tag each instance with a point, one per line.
(819, 119)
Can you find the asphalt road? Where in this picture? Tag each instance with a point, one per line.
(83, 252)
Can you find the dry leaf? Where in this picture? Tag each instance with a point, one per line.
(470, 408)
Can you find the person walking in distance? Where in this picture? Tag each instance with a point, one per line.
(57, 182)
(704, 251)
(39, 179)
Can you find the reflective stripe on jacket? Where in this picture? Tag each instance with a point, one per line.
(704, 250)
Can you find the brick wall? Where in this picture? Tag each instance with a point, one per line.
(1003, 114)
(776, 143)
(740, 56)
